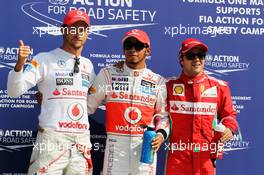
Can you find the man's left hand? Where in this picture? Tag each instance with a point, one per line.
(227, 135)
(156, 142)
(119, 64)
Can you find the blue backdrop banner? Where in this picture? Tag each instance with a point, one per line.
(233, 30)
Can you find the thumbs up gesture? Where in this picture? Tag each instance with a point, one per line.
(24, 52)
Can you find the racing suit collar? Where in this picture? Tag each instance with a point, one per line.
(134, 72)
(65, 54)
(192, 80)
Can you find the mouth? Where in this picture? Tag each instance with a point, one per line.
(132, 55)
(195, 65)
(76, 40)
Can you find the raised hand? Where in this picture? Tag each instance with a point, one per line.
(23, 53)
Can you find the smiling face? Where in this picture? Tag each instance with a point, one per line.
(193, 62)
(135, 53)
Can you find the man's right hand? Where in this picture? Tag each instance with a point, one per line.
(23, 53)
(119, 64)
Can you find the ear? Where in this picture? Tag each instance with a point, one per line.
(180, 61)
(148, 51)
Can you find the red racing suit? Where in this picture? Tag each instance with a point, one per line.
(134, 99)
(193, 105)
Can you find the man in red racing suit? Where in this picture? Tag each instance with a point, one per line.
(194, 99)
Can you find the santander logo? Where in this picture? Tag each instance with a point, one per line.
(56, 92)
(114, 95)
(174, 107)
(69, 92)
(201, 108)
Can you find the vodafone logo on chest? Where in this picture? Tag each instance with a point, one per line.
(75, 111)
(132, 115)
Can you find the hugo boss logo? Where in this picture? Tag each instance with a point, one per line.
(64, 81)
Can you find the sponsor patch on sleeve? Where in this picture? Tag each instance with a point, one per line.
(34, 63)
(92, 90)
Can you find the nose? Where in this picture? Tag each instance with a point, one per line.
(133, 49)
(80, 33)
(196, 58)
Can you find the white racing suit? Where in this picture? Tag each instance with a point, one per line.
(63, 141)
(133, 99)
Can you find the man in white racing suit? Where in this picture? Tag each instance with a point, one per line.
(135, 97)
(63, 76)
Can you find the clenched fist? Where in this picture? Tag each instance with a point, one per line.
(23, 53)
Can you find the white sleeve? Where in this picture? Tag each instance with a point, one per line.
(161, 120)
(20, 82)
(98, 91)
(93, 75)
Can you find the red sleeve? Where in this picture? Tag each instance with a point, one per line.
(226, 111)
